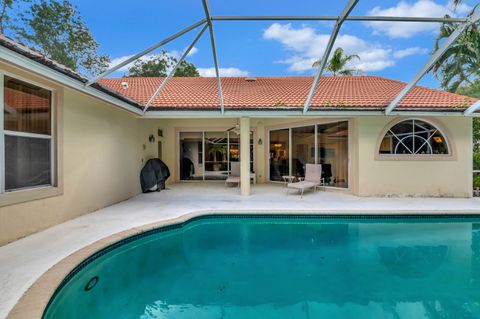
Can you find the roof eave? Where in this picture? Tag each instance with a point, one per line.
(172, 112)
(73, 81)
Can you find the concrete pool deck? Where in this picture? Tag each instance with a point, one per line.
(24, 261)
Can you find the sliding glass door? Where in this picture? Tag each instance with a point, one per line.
(191, 156)
(303, 149)
(216, 157)
(279, 154)
(207, 155)
(333, 153)
(327, 144)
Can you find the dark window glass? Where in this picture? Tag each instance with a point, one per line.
(303, 149)
(279, 161)
(216, 157)
(27, 162)
(191, 156)
(413, 137)
(234, 152)
(27, 107)
(333, 153)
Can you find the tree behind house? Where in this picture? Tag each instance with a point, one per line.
(56, 29)
(459, 68)
(338, 64)
(160, 65)
(461, 62)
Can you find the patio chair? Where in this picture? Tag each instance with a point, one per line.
(313, 176)
(234, 177)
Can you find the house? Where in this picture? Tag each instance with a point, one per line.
(69, 149)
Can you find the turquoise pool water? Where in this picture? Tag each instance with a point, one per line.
(274, 267)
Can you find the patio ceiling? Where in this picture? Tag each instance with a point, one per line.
(463, 24)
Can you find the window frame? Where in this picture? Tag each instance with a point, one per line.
(315, 122)
(451, 155)
(9, 197)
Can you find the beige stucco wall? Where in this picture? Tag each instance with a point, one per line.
(101, 161)
(446, 177)
(369, 175)
(104, 149)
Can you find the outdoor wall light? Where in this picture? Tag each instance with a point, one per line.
(260, 142)
(151, 138)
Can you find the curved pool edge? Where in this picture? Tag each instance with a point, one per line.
(34, 301)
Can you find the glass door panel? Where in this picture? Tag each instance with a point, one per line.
(234, 147)
(252, 170)
(333, 153)
(216, 160)
(207, 155)
(279, 158)
(191, 156)
(303, 149)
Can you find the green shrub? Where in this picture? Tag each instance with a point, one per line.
(476, 161)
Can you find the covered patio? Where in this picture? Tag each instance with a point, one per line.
(22, 262)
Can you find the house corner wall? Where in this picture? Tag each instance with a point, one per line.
(450, 177)
(101, 162)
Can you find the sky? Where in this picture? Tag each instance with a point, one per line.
(266, 48)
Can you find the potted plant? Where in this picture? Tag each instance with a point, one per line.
(215, 149)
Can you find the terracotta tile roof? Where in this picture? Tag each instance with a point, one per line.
(38, 57)
(341, 92)
(333, 93)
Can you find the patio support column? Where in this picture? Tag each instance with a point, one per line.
(245, 156)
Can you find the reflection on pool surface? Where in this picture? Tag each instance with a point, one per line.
(285, 268)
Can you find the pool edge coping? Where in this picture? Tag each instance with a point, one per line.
(35, 299)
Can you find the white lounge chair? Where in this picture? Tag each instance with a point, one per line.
(313, 177)
(234, 177)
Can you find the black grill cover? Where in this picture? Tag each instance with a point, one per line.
(153, 175)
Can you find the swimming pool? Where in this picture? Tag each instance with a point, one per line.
(277, 266)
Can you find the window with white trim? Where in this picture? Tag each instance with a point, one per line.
(27, 136)
(414, 137)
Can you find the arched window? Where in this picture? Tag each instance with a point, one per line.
(413, 137)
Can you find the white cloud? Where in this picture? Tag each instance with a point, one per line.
(174, 54)
(225, 72)
(400, 54)
(193, 51)
(420, 8)
(306, 46)
(177, 54)
(121, 59)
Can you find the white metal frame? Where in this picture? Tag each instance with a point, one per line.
(464, 23)
(335, 18)
(145, 52)
(433, 59)
(3, 133)
(346, 11)
(214, 53)
(475, 106)
(172, 72)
